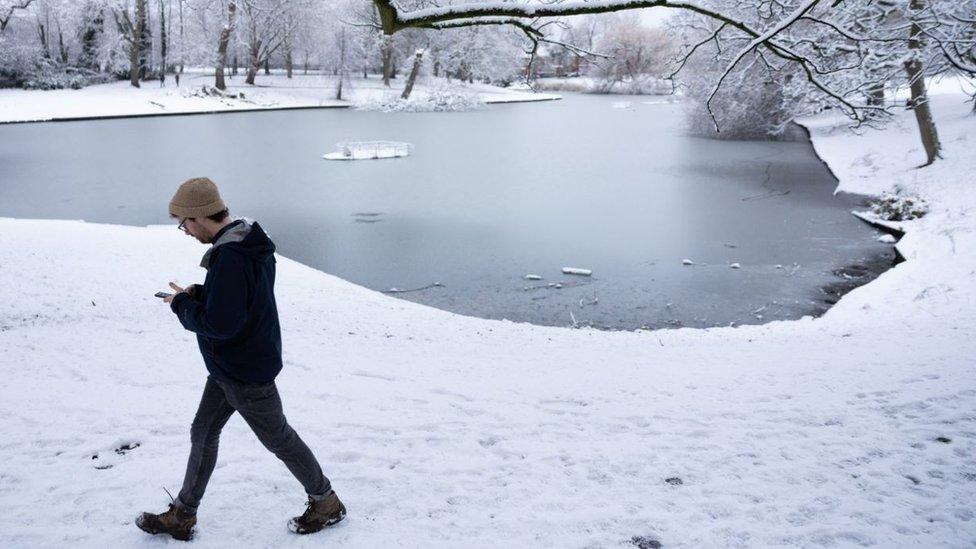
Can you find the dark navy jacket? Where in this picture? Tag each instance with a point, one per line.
(234, 313)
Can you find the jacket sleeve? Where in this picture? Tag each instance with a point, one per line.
(199, 293)
(223, 311)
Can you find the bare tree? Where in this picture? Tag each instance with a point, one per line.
(916, 77)
(637, 55)
(42, 30)
(7, 9)
(266, 29)
(342, 45)
(133, 33)
(136, 42)
(182, 42)
(222, 41)
(163, 44)
(417, 61)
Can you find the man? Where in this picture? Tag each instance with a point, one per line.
(236, 321)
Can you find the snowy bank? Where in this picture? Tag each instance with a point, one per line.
(120, 99)
(437, 430)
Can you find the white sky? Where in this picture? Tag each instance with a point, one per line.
(654, 17)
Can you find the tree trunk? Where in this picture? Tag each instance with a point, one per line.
(288, 62)
(876, 95)
(254, 63)
(62, 49)
(145, 38)
(920, 100)
(923, 113)
(267, 66)
(417, 61)
(182, 47)
(233, 70)
(222, 48)
(342, 62)
(162, 45)
(386, 50)
(42, 36)
(135, 42)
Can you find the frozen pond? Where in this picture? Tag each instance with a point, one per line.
(485, 198)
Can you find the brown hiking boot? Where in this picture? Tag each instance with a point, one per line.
(175, 522)
(318, 515)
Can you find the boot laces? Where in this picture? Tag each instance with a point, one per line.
(309, 509)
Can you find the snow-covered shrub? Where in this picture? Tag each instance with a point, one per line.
(753, 103)
(18, 58)
(896, 207)
(52, 77)
(442, 98)
(580, 84)
(452, 98)
(756, 100)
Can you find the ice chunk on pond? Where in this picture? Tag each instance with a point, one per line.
(533, 277)
(577, 271)
(369, 150)
(735, 265)
(687, 262)
(887, 239)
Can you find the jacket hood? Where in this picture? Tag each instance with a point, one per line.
(245, 237)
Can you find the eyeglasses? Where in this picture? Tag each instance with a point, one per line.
(182, 225)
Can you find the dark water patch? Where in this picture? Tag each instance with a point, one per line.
(856, 275)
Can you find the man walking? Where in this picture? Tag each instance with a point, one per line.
(236, 321)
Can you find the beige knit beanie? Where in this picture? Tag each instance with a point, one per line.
(197, 197)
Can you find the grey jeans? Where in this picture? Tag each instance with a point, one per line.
(260, 406)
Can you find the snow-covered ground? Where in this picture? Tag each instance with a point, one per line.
(271, 92)
(855, 429)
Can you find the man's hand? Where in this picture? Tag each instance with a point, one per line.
(176, 290)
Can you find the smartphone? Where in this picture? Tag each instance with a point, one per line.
(162, 295)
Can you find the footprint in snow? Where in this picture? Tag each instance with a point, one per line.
(487, 442)
(103, 462)
(645, 542)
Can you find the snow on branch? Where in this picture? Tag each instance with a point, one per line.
(763, 38)
(7, 11)
(828, 40)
